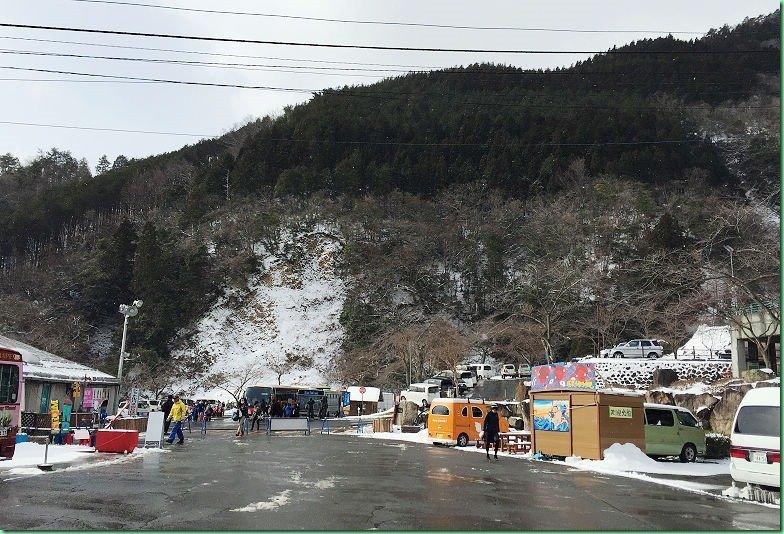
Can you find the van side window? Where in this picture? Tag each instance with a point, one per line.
(686, 419)
(440, 409)
(464, 412)
(658, 417)
(476, 412)
(759, 421)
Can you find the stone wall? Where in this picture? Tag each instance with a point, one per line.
(638, 374)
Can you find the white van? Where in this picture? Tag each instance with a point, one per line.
(482, 370)
(755, 443)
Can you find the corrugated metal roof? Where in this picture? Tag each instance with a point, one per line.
(42, 365)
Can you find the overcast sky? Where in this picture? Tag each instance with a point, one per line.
(86, 103)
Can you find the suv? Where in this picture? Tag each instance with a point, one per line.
(509, 370)
(636, 348)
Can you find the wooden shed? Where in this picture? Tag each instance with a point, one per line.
(585, 423)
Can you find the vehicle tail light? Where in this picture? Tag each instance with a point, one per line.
(737, 452)
(774, 457)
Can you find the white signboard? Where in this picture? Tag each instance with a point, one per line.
(154, 434)
(134, 401)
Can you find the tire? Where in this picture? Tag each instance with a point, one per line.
(653, 355)
(618, 354)
(688, 453)
(462, 440)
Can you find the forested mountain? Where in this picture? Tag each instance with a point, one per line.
(515, 212)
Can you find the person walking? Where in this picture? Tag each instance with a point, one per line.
(177, 414)
(256, 418)
(243, 412)
(166, 409)
(310, 405)
(491, 427)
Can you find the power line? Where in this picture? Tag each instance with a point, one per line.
(102, 129)
(367, 142)
(381, 23)
(343, 93)
(334, 71)
(424, 67)
(378, 47)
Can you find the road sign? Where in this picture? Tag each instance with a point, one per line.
(362, 390)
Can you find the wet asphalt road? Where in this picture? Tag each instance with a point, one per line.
(346, 482)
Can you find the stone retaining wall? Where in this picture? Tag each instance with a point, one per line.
(638, 373)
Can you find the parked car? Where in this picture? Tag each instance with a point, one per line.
(418, 391)
(468, 377)
(673, 431)
(755, 442)
(509, 370)
(636, 348)
(524, 370)
(447, 385)
(482, 370)
(458, 421)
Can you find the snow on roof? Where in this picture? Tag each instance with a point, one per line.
(370, 395)
(47, 366)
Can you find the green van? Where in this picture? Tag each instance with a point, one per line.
(673, 431)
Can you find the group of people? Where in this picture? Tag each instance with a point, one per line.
(177, 412)
(250, 416)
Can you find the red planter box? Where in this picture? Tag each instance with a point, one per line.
(111, 440)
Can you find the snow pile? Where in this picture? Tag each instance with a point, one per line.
(750, 493)
(291, 308)
(706, 342)
(626, 457)
(28, 455)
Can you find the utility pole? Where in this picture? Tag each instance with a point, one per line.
(227, 186)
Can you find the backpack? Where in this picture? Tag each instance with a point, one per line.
(236, 416)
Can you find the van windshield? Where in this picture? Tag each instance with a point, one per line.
(759, 421)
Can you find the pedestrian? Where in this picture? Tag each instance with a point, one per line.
(203, 416)
(310, 404)
(256, 419)
(264, 407)
(288, 409)
(491, 427)
(177, 415)
(243, 413)
(166, 408)
(295, 410)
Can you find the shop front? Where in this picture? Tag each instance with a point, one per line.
(570, 417)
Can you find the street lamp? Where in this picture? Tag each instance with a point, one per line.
(127, 311)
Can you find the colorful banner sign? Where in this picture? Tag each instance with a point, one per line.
(67, 407)
(551, 415)
(570, 375)
(87, 400)
(54, 413)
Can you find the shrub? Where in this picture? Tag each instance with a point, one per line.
(717, 446)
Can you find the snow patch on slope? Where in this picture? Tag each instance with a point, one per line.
(291, 307)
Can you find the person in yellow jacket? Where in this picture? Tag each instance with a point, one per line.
(177, 415)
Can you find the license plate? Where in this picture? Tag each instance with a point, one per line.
(3, 431)
(758, 457)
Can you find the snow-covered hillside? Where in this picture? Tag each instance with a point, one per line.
(291, 306)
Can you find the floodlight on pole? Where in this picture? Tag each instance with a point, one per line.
(128, 311)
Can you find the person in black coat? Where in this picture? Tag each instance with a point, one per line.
(491, 429)
(166, 408)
